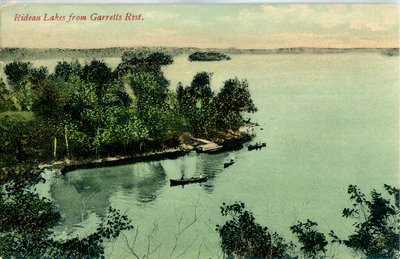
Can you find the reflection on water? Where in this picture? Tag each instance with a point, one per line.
(84, 191)
(200, 165)
(148, 187)
(83, 196)
(210, 166)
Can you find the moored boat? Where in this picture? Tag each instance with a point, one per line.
(229, 163)
(182, 181)
(257, 146)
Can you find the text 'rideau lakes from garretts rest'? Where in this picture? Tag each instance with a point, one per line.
(72, 17)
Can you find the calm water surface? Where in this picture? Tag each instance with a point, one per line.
(328, 120)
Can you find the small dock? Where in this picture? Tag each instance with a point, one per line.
(206, 146)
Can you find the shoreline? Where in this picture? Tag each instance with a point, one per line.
(66, 165)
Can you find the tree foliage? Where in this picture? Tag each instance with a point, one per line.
(376, 227)
(26, 222)
(233, 99)
(376, 230)
(38, 75)
(94, 110)
(195, 103)
(22, 79)
(16, 72)
(97, 72)
(204, 111)
(313, 242)
(21, 139)
(150, 103)
(65, 69)
(92, 246)
(242, 236)
(6, 98)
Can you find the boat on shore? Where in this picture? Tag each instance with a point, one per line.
(182, 181)
(256, 146)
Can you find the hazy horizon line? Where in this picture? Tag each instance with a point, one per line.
(189, 47)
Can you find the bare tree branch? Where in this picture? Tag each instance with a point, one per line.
(187, 248)
(180, 231)
(130, 248)
(198, 252)
(151, 238)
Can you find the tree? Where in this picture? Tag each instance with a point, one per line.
(313, 242)
(195, 103)
(119, 127)
(376, 229)
(242, 236)
(22, 139)
(150, 103)
(16, 72)
(200, 87)
(65, 69)
(26, 222)
(156, 60)
(97, 72)
(49, 105)
(233, 99)
(206, 112)
(18, 78)
(38, 75)
(6, 102)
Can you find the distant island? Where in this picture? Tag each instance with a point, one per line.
(208, 56)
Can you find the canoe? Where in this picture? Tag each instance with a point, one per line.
(174, 182)
(257, 146)
(229, 163)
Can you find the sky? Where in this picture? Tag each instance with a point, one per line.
(206, 26)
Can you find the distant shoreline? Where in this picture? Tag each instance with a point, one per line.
(42, 53)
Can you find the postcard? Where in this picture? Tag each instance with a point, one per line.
(199, 130)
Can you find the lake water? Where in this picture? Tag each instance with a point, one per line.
(328, 120)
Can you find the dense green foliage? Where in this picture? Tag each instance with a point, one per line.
(208, 56)
(241, 236)
(233, 99)
(376, 230)
(23, 139)
(204, 112)
(6, 101)
(313, 242)
(92, 110)
(17, 72)
(27, 221)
